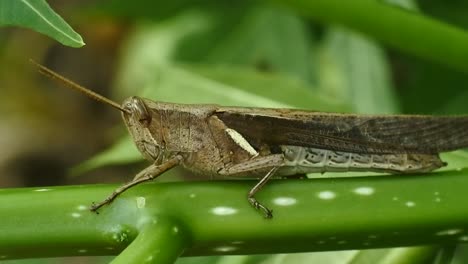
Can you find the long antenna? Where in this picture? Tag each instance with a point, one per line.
(70, 84)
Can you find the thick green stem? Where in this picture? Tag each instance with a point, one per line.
(405, 30)
(209, 218)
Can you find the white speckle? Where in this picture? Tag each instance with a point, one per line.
(364, 190)
(437, 200)
(43, 190)
(241, 141)
(141, 202)
(237, 242)
(463, 238)
(175, 229)
(366, 243)
(395, 198)
(82, 251)
(449, 232)
(326, 195)
(436, 193)
(149, 258)
(372, 236)
(285, 201)
(458, 169)
(223, 210)
(342, 242)
(109, 248)
(410, 203)
(120, 237)
(192, 195)
(76, 215)
(82, 207)
(321, 242)
(332, 238)
(225, 249)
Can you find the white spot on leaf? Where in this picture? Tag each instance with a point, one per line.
(43, 190)
(76, 215)
(364, 190)
(326, 195)
(82, 207)
(285, 201)
(225, 249)
(410, 204)
(141, 202)
(449, 232)
(223, 210)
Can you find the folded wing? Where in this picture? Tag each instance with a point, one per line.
(350, 133)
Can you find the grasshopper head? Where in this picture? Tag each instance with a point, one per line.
(138, 118)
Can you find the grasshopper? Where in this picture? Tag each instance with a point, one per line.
(220, 141)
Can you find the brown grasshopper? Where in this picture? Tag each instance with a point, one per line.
(222, 141)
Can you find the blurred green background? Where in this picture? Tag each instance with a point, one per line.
(247, 53)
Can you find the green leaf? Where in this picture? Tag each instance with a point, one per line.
(408, 31)
(37, 15)
(355, 69)
(267, 38)
(122, 152)
(153, 44)
(291, 92)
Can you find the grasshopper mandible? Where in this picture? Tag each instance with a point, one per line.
(222, 141)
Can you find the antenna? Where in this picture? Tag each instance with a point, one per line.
(70, 84)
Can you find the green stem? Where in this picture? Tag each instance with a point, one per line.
(209, 218)
(160, 241)
(405, 30)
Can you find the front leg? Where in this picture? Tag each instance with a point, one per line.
(147, 174)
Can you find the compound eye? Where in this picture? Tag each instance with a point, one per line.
(141, 111)
(128, 107)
